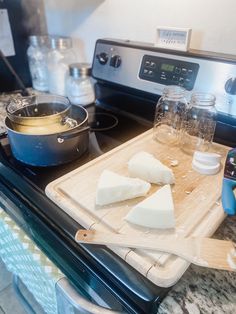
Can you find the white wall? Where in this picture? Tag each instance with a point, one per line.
(213, 21)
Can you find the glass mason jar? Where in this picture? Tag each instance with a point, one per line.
(199, 124)
(79, 85)
(60, 55)
(37, 58)
(169, 114)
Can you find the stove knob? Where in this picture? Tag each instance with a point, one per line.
(115, 61)
(230, 86)
(102, 58)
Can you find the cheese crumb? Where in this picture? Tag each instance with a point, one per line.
(174, 163)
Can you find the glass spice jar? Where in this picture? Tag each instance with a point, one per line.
(79, 85)
(199, 123)
(169, 114)
(37, 59)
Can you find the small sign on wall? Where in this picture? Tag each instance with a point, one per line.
(6, 39)
(173, 38)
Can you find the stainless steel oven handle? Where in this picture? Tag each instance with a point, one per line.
(69, 301)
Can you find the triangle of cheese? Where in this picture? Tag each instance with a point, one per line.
(113, 187)
(145, 166)
(156, 211)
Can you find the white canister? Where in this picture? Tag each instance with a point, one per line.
(60, 55)
(79, 85)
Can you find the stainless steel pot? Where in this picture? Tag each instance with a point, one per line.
(40, 114)
(51, 149)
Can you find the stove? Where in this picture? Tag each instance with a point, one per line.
(22, 195)
(129, 81)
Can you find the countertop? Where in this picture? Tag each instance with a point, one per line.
(203, 290)
(200, 290)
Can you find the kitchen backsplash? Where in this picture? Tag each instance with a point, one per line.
(212, 21)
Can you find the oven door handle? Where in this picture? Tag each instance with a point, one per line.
(69, 301)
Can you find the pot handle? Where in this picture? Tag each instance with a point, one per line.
(62, 137)
(72, 123)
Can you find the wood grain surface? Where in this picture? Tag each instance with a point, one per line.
(198, 210)
(205, 252)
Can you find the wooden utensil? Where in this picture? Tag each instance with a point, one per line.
(206, 252)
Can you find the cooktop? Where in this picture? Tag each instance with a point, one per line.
(23, 187)
(108, 129)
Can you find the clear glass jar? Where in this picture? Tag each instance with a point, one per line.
(169, 114)
(199, 124)
(60, 55)
(37, 58)
(79, 85)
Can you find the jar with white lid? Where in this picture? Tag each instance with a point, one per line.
(79, 85)
(60, 55)
(37, 58)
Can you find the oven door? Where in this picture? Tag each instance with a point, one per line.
(87, 296)
(69, 301)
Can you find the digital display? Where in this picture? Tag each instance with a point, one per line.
(167, 67)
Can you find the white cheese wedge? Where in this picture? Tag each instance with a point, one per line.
(145, 166)
(113, 187)
(156, 211)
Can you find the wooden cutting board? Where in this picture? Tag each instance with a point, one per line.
(198, 209)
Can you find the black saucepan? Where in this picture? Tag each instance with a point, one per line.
(51, 149)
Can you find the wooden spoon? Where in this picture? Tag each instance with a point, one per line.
(206, 252)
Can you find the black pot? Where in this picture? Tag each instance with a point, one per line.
(51, 149)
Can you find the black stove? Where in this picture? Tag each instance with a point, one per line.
(126, 95)
(23, 197)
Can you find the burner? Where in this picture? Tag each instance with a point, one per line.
(102, 121)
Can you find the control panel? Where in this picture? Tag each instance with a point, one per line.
(144, 67)
(169, 71)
